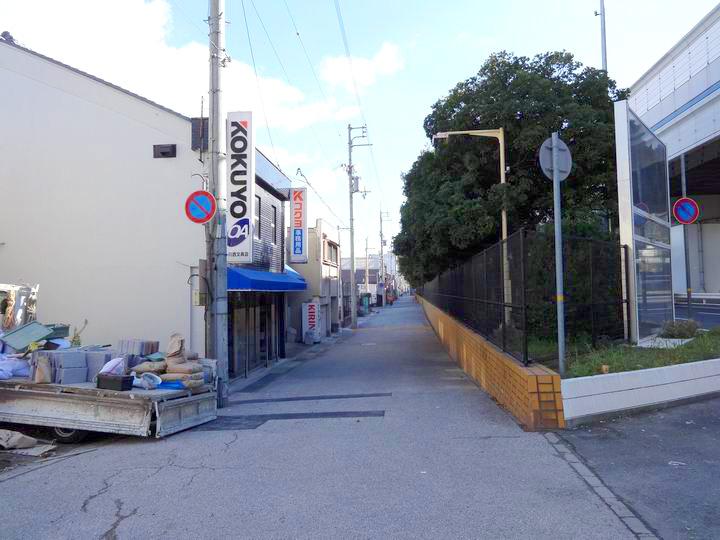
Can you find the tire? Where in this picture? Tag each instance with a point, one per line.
(68, 436)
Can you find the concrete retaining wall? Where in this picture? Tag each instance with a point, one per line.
(590, 398)
(531, 394)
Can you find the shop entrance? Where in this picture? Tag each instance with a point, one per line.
(253, 339)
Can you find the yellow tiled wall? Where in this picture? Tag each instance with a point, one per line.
(530, 393)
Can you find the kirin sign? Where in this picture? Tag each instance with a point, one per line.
(240, 187)
(298, 225)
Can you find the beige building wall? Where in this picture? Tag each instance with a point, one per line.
(87, 212)
(323, 281)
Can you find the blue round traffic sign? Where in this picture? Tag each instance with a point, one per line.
(200, 207)
(686, 210)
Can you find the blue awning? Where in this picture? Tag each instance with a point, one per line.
(245, 279)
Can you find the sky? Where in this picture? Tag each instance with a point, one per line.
(406, 54)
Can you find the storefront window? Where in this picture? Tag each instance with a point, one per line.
(649, 170)
(273, 224)
(651, 228)
(654, 287)
(258, 202)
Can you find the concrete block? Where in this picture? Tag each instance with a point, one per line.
(71, 375)
(69, 359)
(95, 361)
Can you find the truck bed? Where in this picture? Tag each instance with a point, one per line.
(137, 412)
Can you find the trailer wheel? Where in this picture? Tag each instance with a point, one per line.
(68, 436)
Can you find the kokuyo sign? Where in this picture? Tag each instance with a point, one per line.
(240, 186)
(298, 225)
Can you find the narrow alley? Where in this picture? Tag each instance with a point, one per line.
(377, 436)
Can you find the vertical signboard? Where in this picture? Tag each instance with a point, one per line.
(298, 225)
(311, 321)
(240, 186)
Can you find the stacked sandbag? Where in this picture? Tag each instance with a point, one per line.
(150, 367)
(190, 374)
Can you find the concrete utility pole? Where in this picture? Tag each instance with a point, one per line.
(353, 188)
(367, 268)
(381, 275)
(603, 44)
(219, 309)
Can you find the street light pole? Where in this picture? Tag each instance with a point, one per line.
(498, 134)
(603, 44)
(381, 276)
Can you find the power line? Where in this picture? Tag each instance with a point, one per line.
(343, 33)
(287, 76)
(307, 57)
(306, 181)
(346, 43)
(257, 81)
(272, 45)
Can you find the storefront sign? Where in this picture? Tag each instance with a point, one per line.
(298, 225)
(311, 320)
(240, 187)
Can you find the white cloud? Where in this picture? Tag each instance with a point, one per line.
(125, 42)
(336, 70)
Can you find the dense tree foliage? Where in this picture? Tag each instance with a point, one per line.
(453, 193)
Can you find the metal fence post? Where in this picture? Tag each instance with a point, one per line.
(503, 247)
(487, 305)
(593, 336)
(626, 283)
(523, 279)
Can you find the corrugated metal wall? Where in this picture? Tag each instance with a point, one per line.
(268, 252)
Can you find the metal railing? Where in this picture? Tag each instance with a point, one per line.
(506, 293)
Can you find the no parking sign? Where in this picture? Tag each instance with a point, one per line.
(200, 207)
(686, 210)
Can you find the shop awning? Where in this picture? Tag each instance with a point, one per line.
(245, 279)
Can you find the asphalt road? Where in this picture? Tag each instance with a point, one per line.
(665, 465)
(376, 436)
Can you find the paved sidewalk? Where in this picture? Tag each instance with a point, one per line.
(378, 436)
(664, 464)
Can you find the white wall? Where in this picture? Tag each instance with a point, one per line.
(86, 211)
(587, 398)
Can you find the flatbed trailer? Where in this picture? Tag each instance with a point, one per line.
(71, 410)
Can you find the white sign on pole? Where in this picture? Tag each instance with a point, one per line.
(298, 225)
(240, 187)
(311, 320)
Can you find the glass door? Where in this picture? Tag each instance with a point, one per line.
(262, 336)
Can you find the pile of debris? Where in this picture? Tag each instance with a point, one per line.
(41, 354)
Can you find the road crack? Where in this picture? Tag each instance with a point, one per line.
(111, 533)
(104, 489)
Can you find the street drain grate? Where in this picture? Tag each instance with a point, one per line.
(308, 398)
(252, 421)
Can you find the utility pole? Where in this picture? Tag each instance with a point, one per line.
(353, 188)
(218, 334)
(367, 268)
(603, 44)
(381, 275)
(341, 306)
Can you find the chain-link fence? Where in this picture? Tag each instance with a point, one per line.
(507, 294)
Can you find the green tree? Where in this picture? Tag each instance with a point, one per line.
(453, 193)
